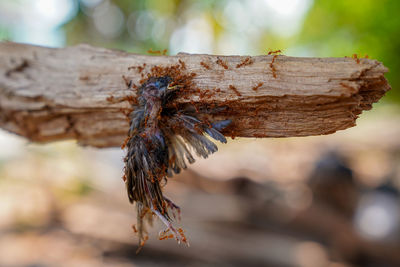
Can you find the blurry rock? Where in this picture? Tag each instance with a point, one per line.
(378, 214)
(246, 187)
(333, 185)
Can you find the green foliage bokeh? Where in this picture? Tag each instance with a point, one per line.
(367, 27)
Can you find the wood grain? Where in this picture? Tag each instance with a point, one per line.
(79, 92)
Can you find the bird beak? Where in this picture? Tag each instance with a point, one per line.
(174, 87)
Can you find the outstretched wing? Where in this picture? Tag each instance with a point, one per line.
(185, 133)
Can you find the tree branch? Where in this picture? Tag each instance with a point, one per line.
(78, 92)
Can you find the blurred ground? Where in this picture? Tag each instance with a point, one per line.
(316, 201)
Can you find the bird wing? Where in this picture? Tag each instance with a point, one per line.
(185, 133)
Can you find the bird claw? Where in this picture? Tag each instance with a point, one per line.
(178, 234)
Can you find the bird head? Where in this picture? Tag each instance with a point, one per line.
(156, 87)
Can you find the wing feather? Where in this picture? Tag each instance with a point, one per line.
(190, 134)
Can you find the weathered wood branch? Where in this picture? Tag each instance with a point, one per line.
(51, 94)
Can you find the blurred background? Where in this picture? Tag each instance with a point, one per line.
(313, 201)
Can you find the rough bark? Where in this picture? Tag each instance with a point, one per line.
(79, 92)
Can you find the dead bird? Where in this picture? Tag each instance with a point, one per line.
(159, 142)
